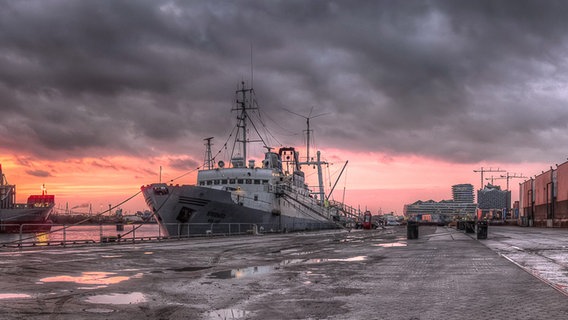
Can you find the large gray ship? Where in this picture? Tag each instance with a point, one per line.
(244, 196)
(29, 217)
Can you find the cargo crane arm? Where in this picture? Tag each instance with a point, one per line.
(482, 170)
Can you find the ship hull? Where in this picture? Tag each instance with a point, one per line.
(192, 210)
(25, 220)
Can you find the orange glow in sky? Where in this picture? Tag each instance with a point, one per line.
(372, 181)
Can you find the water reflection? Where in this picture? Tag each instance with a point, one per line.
(262, 270)
(95, 278)
(14, 296)
(391, 244)
(243, 272)
(118, 298)
(13, 239)
(98, 310)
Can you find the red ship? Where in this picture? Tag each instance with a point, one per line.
(29, 217)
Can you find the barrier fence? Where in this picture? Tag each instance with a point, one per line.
(48, 235)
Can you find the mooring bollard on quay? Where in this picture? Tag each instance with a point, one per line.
(469, 226)
(461, 225)
(482, 229)
(412, 230)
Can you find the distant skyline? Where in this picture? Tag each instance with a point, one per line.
(96, 96)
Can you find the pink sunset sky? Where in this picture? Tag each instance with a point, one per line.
(96, 96)
(371, 181)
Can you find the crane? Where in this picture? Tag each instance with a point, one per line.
(493, 178)
(509, 176)
(482, 170)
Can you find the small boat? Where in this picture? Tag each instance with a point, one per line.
(245, 196)
(29, 217)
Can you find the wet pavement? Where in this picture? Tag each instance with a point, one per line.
(517, 273)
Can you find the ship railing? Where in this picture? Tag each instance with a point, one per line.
(189, 230)
(347, 210)
(61, 235)
(310, 204)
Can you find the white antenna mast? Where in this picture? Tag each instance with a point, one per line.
(251, 68)
(308, 128)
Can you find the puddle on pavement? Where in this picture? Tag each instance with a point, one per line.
(358, 258)
(262, 270)
(98, 310)
(391, 244)
(243, 272)
(118, 298)
(91, 288)
(189, 269)
(302, 253)
(14, 296)
(228, 314)
(295, 252)
(287, 251)
(354, 240)
(95, 278)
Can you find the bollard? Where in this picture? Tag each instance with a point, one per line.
(412, 230)
(469, 227)
(482, 230)
(461, 225)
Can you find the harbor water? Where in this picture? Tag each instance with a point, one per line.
(64, 235)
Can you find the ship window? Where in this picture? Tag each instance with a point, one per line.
(232, 181)
(256, 181)
(264, 181)
(255, 197)
(209, 182)
(201, 183)
(224, 181)
(248, 181)
(240, 181)
(215, 181)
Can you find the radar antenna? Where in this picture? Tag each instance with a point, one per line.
(307, 128)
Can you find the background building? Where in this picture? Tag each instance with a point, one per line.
(494, 202)
(463, 193)
(492, 197)
(460, 206)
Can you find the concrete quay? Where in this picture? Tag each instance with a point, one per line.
(517, 273)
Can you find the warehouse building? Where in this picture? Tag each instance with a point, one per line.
(544, 198)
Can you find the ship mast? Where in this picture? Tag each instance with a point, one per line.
(208, 157)
(242, 107)
(318, 163)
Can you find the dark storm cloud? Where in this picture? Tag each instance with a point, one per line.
(462, 81)
(38, 173)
